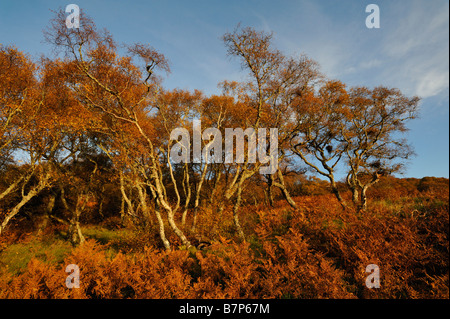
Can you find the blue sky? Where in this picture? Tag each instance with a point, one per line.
(409, 51)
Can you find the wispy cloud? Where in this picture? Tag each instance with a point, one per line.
(410, 51)
(418, 48)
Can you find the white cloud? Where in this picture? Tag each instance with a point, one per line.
(432, 83)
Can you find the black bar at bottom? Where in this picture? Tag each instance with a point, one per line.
(224, 308)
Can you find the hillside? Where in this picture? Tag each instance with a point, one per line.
(315, 251)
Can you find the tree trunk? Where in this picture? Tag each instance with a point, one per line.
(11, 187)
(284, 190)
(25, 199)
(336, 193)
(46, 216)
(216, 184)
(160, 193)
(197, 196)
(170, 218)
(122, 211)
(125, 199)
(194, 221)
(266, 198)
(143, 200)
(162, 233)
(355, 195)
(352, 184)
(76, 236)
(363, 204)
(187, 194)
(235, 214)
(175, 228)
(269, 190)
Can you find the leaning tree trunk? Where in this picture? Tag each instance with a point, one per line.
(170, 215)
(281, 185)
(173, 225)
(162, 233)
(25, 199)
(161, 228)
(336, 192)
(11, 187)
